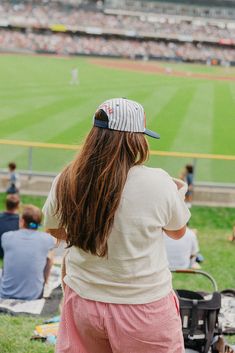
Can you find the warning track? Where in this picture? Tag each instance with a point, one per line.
(155, 69)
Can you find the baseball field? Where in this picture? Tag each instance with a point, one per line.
(191, 106)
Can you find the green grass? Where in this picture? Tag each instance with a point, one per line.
(25, 199)
(15, 333)
(214, 226)
(37, 103)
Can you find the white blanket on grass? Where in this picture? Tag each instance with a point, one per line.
(33, 307)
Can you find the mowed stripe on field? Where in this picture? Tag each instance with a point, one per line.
(44, 127)
(224, 119)
(17, 108)
(24, 94)
(223, 130)
(170, 117)
(31, 124)
(195, 133)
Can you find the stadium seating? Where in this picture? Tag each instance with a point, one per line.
(94, 28)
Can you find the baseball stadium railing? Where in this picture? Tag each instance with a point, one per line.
(46, 159)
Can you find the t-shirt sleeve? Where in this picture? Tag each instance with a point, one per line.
(51, 221)
(178, 211)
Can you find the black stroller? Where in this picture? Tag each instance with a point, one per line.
(199, 314)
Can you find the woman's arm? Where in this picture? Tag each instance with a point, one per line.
(49, 264)
(176, 234)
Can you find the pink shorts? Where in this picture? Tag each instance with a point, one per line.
(93, 327)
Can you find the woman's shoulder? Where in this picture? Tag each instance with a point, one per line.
(152, 179)
(149, 171)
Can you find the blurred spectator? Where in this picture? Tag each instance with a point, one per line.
(9, 219)
(187, 176)
(182, 34)
(28, 258)
(182, 253)
(13, 180)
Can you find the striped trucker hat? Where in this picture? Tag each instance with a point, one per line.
(122, 114)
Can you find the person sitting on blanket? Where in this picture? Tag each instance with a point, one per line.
(28, 258)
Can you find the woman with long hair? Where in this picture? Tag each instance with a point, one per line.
(112, 210)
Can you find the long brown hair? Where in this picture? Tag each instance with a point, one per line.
(89, 189)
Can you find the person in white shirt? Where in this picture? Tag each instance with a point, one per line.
(182, 254)
(112, 211)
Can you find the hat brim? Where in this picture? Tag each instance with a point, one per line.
(151, 134)
(104, 125)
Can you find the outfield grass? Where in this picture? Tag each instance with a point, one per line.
(39, 104)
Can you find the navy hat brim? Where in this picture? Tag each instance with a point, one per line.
(151, 134)
(104, 125)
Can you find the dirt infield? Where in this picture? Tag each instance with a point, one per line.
(156, 69)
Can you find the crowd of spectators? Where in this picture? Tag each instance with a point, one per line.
(73, 17)
(65, 44)
(175, 38)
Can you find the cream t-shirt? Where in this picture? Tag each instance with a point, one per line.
(136, 269)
